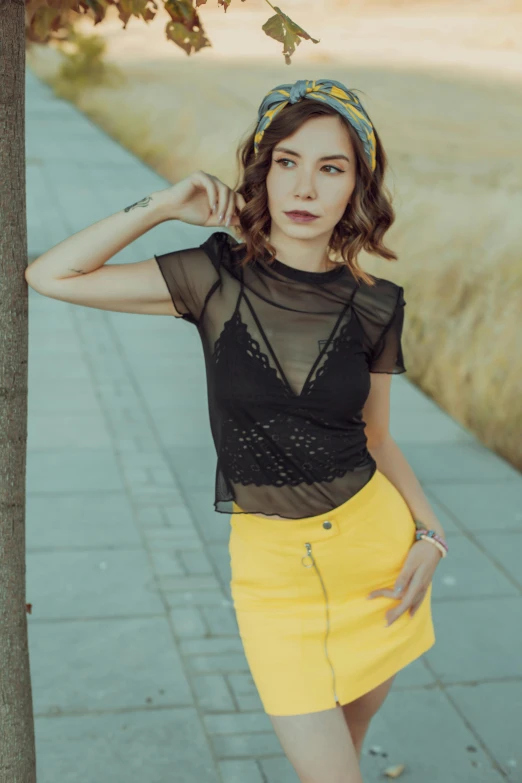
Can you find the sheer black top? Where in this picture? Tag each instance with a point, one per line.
(288, 355)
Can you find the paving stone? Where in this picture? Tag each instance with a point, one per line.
(238, 723)
(220, 554)
(246, 745)
(207, 598)
(231, 662)
(240, 771)
(459, 462)
(184, 430)
(66, 368)
(125, 443)
(210, 646)
(213, 693)
(492, 504)
(172, 583)
(149, 745)
(433, 425)
(477, 639)
(178, 516)
(150, 516)
(279, 770)
(188, 622)
(143, 494)
(167, 562)
(80, 520)
(499, 725)
(451, 526)
(220, 620)
(73, 470)
(71, 396)
(146, 459)
(469, 572)
(162, 537)
(506, 549)
(194, 467)
(244, 691)
(415, 674)
(196, 562)
(83, 583)
(67, 431)
(109, 664)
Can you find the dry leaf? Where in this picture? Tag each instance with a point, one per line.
(395, 772)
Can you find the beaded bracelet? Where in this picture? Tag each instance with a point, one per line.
(433, 537)
(432, 534)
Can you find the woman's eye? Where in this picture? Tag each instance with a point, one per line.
(282, 161)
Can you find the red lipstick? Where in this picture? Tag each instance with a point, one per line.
(301, 216)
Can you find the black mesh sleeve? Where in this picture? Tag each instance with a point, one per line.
(191, 275)
(387, 353)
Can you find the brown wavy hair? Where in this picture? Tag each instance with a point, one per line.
(366, 219)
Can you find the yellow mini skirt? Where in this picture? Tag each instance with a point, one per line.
(311, 637)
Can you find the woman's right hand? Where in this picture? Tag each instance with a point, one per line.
(203, 200)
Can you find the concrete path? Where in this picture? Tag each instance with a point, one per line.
(138, 671)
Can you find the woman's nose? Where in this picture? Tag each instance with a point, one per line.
(304, 186)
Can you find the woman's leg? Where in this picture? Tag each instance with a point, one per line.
(319, 746)
(358, 713)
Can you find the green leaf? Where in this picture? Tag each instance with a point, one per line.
(43, 22)
(182, 11)
(98, 9)
(190, 40)
(283, 29)
(128, 8)
(185, 29)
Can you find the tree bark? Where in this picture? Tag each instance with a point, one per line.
(17, 744)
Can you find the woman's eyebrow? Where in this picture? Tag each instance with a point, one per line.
(297, 155)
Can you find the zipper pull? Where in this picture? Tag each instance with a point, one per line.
(308, 554)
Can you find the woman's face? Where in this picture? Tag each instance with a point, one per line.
(302, 179)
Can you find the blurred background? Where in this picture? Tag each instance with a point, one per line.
(442, 83)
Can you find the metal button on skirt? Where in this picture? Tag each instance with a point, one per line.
(310, 635)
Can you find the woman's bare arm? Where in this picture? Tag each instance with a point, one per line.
(74, 270)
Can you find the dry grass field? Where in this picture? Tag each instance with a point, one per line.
(443, 85)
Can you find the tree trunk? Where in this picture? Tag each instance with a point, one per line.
(17, 745)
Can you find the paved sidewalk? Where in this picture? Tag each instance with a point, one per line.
(138, 671)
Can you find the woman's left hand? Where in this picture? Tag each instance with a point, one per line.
(414, 578)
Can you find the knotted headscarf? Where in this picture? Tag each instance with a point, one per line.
(327, 91)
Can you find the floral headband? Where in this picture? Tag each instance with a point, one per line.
(327, 91)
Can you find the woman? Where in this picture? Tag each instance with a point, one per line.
(299, 345)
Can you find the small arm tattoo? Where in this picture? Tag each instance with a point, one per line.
(80, 271)
(142, 203)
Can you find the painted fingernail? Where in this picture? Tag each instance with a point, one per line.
(221, 218)
(227, 221)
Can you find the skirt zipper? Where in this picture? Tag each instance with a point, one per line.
(309, 554)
